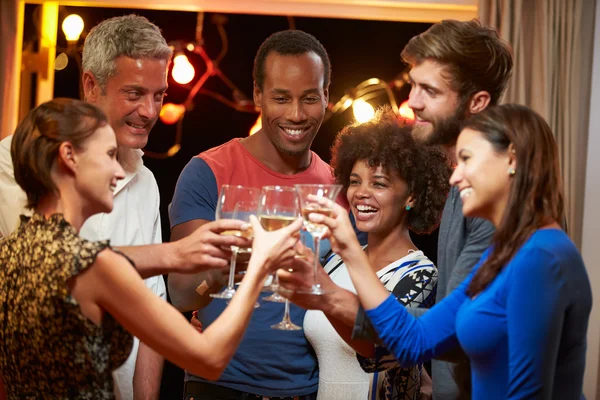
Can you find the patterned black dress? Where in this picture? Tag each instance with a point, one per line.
(48, 348)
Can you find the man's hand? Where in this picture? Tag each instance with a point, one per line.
(300, 277)
(206, 248)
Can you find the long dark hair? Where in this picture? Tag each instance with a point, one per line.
(536, 196)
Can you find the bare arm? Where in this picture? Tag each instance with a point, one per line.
(148, 373)
(112, 282)
(191, 291)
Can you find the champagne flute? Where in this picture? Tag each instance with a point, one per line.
(235, 202)
(278, 207)
(316, 230)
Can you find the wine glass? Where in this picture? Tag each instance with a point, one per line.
(278, 207)
(235, 202)
(286, 323)
(316, 230)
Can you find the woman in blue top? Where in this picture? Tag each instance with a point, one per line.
(522, 315)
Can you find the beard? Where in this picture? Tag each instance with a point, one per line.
(445, 132)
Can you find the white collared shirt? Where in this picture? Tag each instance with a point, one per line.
(134, 220)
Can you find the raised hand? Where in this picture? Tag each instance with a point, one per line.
(299, 277)
(275, 249)
(206, 248)
(340, 231)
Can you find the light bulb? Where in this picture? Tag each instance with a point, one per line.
(183, 71)
(406, 112)
(257, 125)
(171, 113)
(72, 26)
(363, 111)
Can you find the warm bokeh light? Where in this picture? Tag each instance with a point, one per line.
(61, 62)
(183, 71)
(257, 125)
(72, 26)
(363, 111)
(406, 112)
(171, 113)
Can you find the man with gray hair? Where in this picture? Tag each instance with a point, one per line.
(125, 62)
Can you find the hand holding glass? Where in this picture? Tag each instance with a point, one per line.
(236, 202)
(317, 230)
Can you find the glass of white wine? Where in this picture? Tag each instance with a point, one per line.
(279, 207)
(236, 202)
(316, 230)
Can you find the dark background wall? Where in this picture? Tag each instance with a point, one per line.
(358, 50)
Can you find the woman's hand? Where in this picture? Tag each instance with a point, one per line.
(273, 250)
(341, 234)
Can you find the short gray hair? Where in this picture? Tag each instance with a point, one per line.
(129, 35)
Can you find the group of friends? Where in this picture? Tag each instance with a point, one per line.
(503, 314)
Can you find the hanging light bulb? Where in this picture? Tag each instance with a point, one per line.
(183, 71)
(363, 111)
(406, 112)
(257, 125)
(72, 27)
(171, 113)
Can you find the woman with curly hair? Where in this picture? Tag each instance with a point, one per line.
(393, 185)
(521, 345)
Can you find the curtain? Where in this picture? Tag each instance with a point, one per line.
(552, 41)
(9, 67)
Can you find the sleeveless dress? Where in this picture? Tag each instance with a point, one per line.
(48, 348)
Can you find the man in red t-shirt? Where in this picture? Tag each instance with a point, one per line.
(291, 81)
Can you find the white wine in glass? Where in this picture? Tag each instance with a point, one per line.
(317, 230)
(278, 207)
(235, 202)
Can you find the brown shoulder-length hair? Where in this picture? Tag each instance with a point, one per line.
(535, 197)
(35, 144)
(475, 57)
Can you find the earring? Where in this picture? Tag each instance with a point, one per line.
(511, 171)
(407, 208)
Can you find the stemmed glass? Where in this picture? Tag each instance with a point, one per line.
(317, 230)
(279, 207)
(236, 202)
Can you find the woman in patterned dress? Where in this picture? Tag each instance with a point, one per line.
(68, 306)
(393, 185)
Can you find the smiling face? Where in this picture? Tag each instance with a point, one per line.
(132, 98)
(437, 106)
(482, 176)
(377, 199)
(97, 171)
(292, 101)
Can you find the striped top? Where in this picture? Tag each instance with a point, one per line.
(342, 373)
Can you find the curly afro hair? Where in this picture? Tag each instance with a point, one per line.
(388, 142)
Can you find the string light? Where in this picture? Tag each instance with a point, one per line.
(72, 27)
(183, 71)
(363, 111)
(171, 113)
(406, 112)
(257, 126)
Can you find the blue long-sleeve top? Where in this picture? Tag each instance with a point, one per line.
(525, 334)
